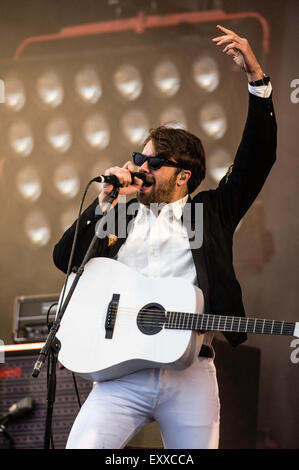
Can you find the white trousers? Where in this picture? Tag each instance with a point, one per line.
(184, 403)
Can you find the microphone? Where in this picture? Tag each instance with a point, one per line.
(112, 179)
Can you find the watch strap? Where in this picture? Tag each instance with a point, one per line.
(264, 81)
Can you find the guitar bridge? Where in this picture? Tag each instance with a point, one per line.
(111, 316)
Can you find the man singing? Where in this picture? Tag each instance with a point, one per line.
(184, 403)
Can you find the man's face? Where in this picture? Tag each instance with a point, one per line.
(163, 189)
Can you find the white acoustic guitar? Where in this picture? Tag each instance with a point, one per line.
(119, 321)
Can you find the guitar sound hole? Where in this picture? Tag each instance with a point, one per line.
(151, 318)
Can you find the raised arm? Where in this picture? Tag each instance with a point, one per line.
(257, 150)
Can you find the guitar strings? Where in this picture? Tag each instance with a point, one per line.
(275, 330)
(165, 318)
(166, 313)
(159, 317)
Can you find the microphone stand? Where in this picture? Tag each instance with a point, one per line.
(52, 344)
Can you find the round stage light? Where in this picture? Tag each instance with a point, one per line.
(96, 131)
(218, 163)
(50, 89)
(66, 180)
(174, 117)
(127, 80)
(88, 85)
(206, 73)
(166, 78)
(58, 134)
(37, 229)
(135, 126)
(15, 94)
(213, 120)
(21, 139)
(28, 184)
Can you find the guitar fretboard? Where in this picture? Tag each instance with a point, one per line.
(206, 322)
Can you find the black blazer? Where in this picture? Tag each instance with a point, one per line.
(223, 208)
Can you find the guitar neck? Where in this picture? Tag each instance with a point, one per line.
(205, 322)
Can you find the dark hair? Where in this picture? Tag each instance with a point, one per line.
(184, 147)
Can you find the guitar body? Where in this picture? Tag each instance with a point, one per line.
(95, 354)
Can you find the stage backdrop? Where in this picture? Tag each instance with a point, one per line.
(266, 244)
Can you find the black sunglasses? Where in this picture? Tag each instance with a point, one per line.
(154, 163)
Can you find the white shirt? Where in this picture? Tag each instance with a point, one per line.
(263, 91)
(158, 246)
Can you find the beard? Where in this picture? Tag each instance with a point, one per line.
(162, 194)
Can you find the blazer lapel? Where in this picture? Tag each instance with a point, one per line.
(198, 254)
(116, 240)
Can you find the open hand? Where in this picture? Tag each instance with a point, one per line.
(239, 49)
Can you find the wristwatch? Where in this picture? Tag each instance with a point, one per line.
(264, 81)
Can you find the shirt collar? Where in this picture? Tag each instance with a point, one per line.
(175, 207)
